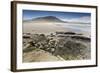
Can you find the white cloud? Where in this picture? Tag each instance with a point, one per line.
(84, 19)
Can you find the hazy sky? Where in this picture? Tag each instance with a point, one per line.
(31, 14)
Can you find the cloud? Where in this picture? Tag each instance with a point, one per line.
(84, 19)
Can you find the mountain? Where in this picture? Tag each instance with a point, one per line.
(53, 19)
(47, 19)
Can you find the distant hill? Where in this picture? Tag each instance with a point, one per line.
(53, 19)
(46, 19)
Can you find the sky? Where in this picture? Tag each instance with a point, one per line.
(65, 16)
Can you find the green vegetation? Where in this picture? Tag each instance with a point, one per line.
(29, 49)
